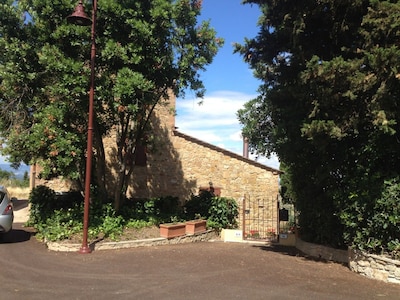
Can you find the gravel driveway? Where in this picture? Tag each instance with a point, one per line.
(205, 270)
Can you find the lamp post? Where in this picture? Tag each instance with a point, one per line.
(79, 17)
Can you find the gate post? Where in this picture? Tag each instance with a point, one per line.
(279, 221)
(244, 218)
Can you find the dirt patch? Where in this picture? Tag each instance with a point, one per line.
(140, 234)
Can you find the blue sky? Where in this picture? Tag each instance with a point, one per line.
(228, 80)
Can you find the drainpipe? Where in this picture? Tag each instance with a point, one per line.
(245, 147)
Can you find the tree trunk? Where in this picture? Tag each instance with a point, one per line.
(100, 169)
(121, 186)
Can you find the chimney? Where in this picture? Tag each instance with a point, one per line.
(245, 147)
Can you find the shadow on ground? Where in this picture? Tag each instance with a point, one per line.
(19, 204)
(292, 251)
(286, 250)
(16, 235)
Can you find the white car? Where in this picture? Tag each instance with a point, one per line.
(6, 211)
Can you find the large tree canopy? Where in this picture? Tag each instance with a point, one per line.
(329, 107)
(144, 50)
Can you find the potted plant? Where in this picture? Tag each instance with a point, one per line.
(271, 234)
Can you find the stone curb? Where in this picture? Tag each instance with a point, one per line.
(99, 246)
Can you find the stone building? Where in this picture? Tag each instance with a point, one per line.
(181, 165)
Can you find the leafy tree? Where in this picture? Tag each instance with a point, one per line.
(145, 49)
(328, 106)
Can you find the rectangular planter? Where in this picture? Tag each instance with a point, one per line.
(196, 226)
(171, 230)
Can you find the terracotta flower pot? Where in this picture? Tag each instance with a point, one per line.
(196, 226)
(171, 230)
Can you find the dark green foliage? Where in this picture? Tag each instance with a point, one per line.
(199, 205)
(105, 221)
(42, 200)
(58, 216)
(223, 213)
(158, 210)
(58, 224)
(376, 217)
(220, 212)
(145, 50)
(328, 106)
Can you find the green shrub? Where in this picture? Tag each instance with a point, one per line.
(44, 202)
(138, 224)
(103, 220)
(41, 199)
(157, 210)
(57, 217)
(198, 205)
(373, 224)
(220, 212)
(223, 213)
(61, 224)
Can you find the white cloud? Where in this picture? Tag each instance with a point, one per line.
(236, 136)
(217, 109)
(215, 121)
(208, 136)
(272, 162)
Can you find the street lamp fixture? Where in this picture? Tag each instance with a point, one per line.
(79, 17)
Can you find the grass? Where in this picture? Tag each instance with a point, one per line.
(15, 189)
(19, 192)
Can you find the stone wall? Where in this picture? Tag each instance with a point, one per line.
(202, 164)
(375, 266)
(59, 185)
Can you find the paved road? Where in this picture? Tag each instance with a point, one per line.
(213, 270)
